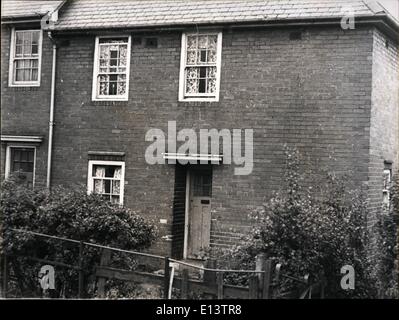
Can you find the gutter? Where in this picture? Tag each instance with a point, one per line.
(52, 104)
(386, 23)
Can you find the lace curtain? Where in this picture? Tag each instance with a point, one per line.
(117, 183)
(99, 184)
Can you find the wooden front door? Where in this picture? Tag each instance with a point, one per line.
(199, 226)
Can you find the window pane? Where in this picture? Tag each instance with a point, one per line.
(27, 50)
(103, 85)
(113, 84)
(121, 84)
(192, 43)
(35, 37)
(104, 52)
(19, 38)
(211, 86)
(116, 187)
(202, 80)
(212, 56)
(191, 57)
(35, 73)
(16, 166)
(35, 49)
(26, 74)
(211, 72)
(123, 55)
(115, 199)
(202, 86)
(17, 155)
(107, 184)
(202, 42)
(212, 42)
(19, 75)
(192, 80)
(18, 51)
(202, 56)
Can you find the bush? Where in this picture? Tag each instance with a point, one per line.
(387, 247)
(311, 232)
(67, 213)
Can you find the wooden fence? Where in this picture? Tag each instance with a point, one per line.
(212, 283)
(262, 280)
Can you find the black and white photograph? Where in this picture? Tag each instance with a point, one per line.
(212, 151)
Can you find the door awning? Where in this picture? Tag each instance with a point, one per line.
(213, 158)
(8, 138)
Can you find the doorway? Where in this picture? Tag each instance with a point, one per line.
(198, 213)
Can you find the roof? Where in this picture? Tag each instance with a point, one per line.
(23, 8)
(100, 14)
(106, 14)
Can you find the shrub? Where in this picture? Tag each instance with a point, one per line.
(386, 229)
(311, 232)
(67, 213)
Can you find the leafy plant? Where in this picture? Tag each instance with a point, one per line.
(310, 232)
(386, 258)
(67, 213)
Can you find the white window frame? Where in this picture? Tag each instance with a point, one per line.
(11, 82)
(7, 168)
(90, 180)
(183, 64)
(94, 96)
(387, 191)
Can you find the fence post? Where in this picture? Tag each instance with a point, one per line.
(267, 279)
(81, 275)
(166, 278)
(184, 284)
(210, 276)
(264, 278)
(104, 261)
(4, 287)
(253, 287)
(260, 266)
(322, 284)
(219, 281)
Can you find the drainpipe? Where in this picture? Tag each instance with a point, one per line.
(52, 103)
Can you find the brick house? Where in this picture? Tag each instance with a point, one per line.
(285, 69)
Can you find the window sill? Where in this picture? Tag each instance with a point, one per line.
(199, 99)
(109, 100)
(105, 103)
(24, 85)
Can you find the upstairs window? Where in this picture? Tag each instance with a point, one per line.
(111, 68)
(107, 179)
(25, 58)
(200, 67)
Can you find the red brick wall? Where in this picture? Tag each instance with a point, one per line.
(25, 111)
(313, 93)
(384, 127)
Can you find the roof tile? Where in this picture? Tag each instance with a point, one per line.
(26, 8)
(92, 14)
